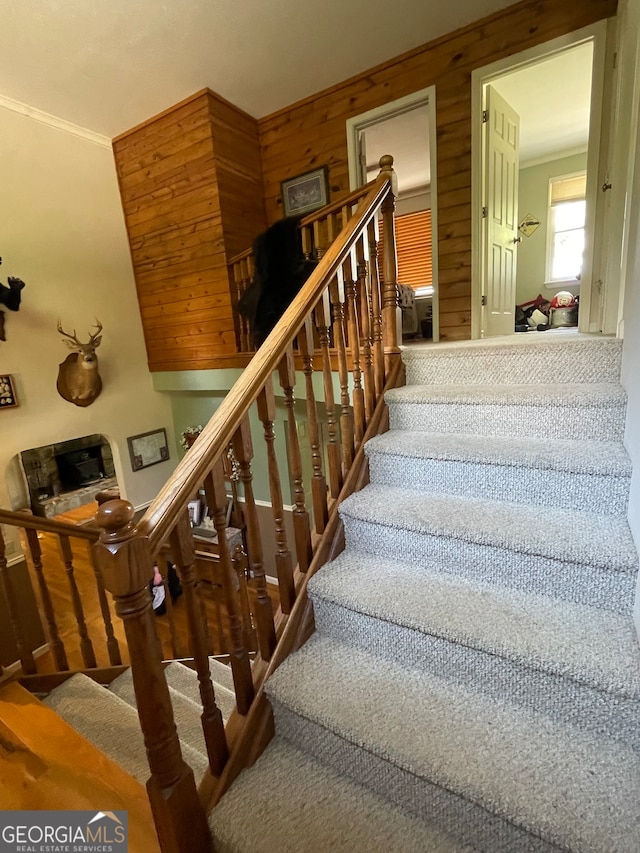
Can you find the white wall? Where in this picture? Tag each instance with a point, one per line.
(626, 178)
(533, 198)
(63, 233)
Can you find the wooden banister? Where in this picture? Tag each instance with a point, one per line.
(35, 522)
(342, 327)
(163, 512)
(127, 567)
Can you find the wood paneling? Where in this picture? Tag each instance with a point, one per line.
(312, 132)
(191, 187)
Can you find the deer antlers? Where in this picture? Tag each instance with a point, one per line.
(94, 339)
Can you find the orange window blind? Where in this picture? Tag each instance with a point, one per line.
(414, 249)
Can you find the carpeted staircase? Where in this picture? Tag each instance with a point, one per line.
(108, 718)
(474, 680)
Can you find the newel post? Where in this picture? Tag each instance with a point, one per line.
(389, 268)
(124, 559)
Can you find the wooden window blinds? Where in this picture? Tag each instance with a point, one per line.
(414, 249)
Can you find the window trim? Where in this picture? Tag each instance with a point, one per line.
(549, 282)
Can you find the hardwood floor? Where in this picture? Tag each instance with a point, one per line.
(172, 627)
(48, 765)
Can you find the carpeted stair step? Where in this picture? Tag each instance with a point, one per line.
(491, 774)
(575, 664)
(185, 680)
(582, 557)
(593, 476)
(289, 802)
(518, 360)
(586, 411)
(186, 713)
(111, 724)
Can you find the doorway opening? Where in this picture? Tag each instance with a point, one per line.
(536, 206)
(405, 128)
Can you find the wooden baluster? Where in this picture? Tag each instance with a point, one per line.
(376, 308)
(336, 289)
(6, 587)
(354, 345)
(241, 286)
(125, 563)
(57, 646)
(86, 646)
(212, 723)
(243, 451)
(364, 304)
(318, 482)
(390, 267)
(301, 527)
(284, 565)
(239, 561)
(323, 320)
(113, 649)
(307, 242)
(216, 492)
(177, 650)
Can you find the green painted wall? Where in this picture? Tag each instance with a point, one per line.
(533, 195)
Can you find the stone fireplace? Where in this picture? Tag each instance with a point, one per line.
(68, 474)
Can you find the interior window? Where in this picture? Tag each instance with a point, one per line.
(414, 251)
(565, 243)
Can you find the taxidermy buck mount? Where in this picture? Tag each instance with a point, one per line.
(10, 297)
(78, 379)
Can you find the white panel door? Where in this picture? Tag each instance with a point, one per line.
(501, 164)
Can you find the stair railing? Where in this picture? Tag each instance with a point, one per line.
(73, 644)
(343, 319)
(343, 313)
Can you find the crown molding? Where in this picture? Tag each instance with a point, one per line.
(54, 121)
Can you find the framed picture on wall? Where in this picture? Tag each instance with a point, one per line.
(148, 448)
(305, 193)
(8, 399)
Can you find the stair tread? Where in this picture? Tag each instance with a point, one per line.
(186, 712)
(591, 395)
(567, 455)
(111, 724)
(571, 340)
(571, 640)
(543, 776)
(331, 812)
(565, 535)
(184, 680)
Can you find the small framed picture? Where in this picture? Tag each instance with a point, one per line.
(148, 448)
(305, 193)
(8, 397)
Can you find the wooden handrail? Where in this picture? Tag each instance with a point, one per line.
(335, 207)
(164, 511)
(354, 197)
(47, 525)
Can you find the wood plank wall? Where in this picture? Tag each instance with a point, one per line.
(312, 133)
(191, 187)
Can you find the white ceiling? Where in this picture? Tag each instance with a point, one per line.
(552, 98)
(107, 65)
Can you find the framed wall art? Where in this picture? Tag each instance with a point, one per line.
(148, 448)
(305, 193)
(8, 399)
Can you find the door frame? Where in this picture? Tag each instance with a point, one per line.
(356, 124)
(596, 33)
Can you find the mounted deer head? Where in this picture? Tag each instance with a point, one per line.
(78, 379)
